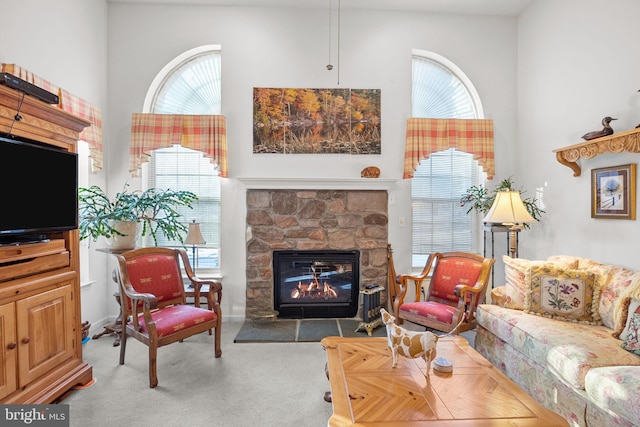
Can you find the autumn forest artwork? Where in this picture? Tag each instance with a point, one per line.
(307, 121)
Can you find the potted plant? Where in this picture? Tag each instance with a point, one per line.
(153, 210)
(479, 199)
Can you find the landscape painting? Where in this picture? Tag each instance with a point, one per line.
(309, 121)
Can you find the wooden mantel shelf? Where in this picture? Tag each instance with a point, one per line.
(616, 143)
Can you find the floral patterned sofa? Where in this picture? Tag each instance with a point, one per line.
(566, 330)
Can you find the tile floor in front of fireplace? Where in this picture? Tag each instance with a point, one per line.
(313, 330)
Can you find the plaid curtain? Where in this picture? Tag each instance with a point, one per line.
(71, 104)
(426, 136)
(206, 133)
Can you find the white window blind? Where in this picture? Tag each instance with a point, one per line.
(181, 168)
(439, 223)
(191, 84)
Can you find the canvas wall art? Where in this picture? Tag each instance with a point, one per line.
(310, 121)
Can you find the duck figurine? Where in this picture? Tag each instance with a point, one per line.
(606, 130)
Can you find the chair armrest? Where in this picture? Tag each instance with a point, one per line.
(214, 296)
(402, 280)
(149, 300)
(214, 285)
(466, 303)
(460, 290)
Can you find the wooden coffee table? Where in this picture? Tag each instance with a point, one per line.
(367, 391)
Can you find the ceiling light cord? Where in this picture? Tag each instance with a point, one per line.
(339, 41)
(329, 66)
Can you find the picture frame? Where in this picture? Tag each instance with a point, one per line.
(613, 192)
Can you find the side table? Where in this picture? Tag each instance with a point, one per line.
(114, 328)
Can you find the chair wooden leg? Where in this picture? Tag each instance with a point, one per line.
(153, 374)
(216, 340)
(123, 344)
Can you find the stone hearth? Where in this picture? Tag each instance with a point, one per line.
(313, 220)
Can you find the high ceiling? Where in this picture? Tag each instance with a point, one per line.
(472, 7)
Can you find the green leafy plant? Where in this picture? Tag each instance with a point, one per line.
(478, 198)
(155, 209)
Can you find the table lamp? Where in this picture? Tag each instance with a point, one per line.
(194, 237)
(508, 210)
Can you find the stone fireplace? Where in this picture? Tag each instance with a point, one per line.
(324, 221)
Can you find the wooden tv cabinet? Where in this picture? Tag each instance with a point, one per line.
(40, 317)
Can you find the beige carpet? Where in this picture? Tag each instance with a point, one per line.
(253, 384)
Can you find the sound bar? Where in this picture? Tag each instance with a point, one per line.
(23, 86)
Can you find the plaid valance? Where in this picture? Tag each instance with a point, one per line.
(426, 136)
(206, 133)
(71, 104)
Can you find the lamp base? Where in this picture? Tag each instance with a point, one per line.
(513, 240)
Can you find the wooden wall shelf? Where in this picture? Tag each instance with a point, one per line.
(624, 141)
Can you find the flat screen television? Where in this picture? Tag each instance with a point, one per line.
(38, 190)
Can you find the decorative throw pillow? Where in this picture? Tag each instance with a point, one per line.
(618, 292)
(632, 340)
(563, 294)
(564, 261)
(515, 271)
(634, 308)
(516, 274)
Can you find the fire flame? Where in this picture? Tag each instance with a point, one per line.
(313, 289)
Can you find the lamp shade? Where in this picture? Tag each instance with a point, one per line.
(508, 208)
(194, 236)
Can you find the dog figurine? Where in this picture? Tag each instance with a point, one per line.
(411, 344)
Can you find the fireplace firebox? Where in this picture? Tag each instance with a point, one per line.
(316, 284)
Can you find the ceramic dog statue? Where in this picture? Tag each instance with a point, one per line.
(411, 344)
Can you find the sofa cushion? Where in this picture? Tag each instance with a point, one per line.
(622, 285)
(616, 389)
(569, 349)
(634, 307)
(563, 294)
(565, 261)
(516, 272)
(632, 338)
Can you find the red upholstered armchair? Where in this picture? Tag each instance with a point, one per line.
(447, 297)
(154, 309)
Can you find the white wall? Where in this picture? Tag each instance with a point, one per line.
(269, 47)
(577, 63)
(65, 42)
(545, 79)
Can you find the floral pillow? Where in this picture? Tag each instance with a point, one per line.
(563, 294)
(565, 261)
(515, 271)
(516, 274)
(632, 341)
(617, 292)
(634, 308)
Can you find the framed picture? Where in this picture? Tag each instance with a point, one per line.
(613, 192)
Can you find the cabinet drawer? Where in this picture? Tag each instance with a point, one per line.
(12, 253)
(34, 266)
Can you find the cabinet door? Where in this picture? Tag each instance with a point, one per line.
(45, 332)
(8, 350)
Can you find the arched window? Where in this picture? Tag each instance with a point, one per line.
(190, 84)
(441, 90)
